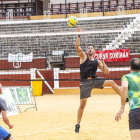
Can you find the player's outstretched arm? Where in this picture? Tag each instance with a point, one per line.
(103, 66)
(6, 120)
(124, 91)
(77, 45)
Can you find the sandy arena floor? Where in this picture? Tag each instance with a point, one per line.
(56, 119)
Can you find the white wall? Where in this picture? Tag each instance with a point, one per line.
(46, 4)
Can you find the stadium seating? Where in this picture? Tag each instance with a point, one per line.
(133, 43)
(61, 26)
(39, 44)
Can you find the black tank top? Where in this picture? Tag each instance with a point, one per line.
(88, 68)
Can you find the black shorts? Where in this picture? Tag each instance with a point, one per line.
(134, 119)
(7, 137)
(87, 86)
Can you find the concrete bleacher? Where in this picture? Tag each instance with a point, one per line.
(61, 26)
(133, 43)
(38, 43)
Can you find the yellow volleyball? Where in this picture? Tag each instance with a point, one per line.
(72, 21)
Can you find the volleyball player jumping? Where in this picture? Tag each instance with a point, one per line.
(89, 79)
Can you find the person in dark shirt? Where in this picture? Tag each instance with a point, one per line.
(4, 134)
(89, 79)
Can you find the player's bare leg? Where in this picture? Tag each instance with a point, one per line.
(11, 138)
(80, 113)
(111, 83)
(81, 109)
(135, 134)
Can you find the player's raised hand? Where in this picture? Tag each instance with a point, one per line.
(101, 58)
(79, 30)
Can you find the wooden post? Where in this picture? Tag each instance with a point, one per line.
(93, 5)
(66, 8)
(133, 4)
(77, 7)
(125, 5)
(117, 2)
(1, 8)
(85, 4)
(109, 4)
(31, 7)
(103, 6)
(69, 7)
(36, 7)
(52, 8)
(28, 10)
(18, 8)
(60, 8)
(24, 9)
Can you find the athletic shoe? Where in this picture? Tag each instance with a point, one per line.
(77, 127)
(127, 100)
